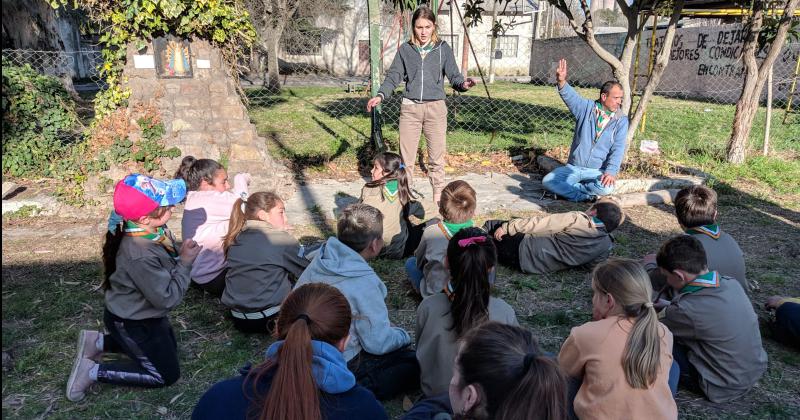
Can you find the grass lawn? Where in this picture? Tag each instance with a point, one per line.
(49, 294)
(319, 129)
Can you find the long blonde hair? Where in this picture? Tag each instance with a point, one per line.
(241, 214)
(627, 281)
(424, 12)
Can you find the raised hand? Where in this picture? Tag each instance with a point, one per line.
(561, 73)
(372, 103)
(189, 251)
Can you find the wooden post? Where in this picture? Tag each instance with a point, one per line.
(374, 13)
(769, 112)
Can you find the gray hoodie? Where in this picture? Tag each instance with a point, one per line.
(343, 268)
(424, 78)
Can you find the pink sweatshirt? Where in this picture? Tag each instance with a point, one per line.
(205, 219)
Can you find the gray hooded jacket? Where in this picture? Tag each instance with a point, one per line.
(424, 78)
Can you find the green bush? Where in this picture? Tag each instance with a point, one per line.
(39, 122)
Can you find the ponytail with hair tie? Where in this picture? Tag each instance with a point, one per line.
(529, 359)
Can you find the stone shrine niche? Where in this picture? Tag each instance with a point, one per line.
(203, 115)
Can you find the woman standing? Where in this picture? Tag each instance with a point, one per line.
(422, 63)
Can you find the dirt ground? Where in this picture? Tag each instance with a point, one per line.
(50, 270)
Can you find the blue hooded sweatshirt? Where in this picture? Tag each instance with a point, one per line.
(340, 397)
(340, 266)
(604, 154)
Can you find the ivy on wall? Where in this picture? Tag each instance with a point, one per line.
(224, 23)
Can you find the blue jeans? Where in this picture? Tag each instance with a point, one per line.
(576, 183)
(415, 276)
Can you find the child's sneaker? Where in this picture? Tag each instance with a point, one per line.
(87, 345)
(79, 380)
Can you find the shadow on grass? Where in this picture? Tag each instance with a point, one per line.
(470, 113)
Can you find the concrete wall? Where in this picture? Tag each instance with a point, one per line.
(705, 63)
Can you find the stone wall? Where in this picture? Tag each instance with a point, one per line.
(205, 117)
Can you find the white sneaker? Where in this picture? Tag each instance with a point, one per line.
(79, 380)
(87, 345)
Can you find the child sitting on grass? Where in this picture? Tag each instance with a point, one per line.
(622, 358)
(305, 376)
(444, 317)
(264, 260)
(145, 278)
(205, 217)
(545, 244)
(717, 339)
(376, 351)
(389, 192)
(696, 211)
(426, 269)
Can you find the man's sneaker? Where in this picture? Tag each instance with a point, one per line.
(79, 380)
(87, 345)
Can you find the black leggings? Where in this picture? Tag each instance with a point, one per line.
(151, 346)
(386, 375)
(215, 287)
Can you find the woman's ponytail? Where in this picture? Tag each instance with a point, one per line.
(642, 353)
(297, 397)
(315, 311)
(471, 255)
(235, 224)
(110, 249)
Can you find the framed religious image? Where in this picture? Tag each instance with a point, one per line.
(173, 58)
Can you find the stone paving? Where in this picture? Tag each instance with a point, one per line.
(514, 192)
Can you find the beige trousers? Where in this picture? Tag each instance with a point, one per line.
(430, 119)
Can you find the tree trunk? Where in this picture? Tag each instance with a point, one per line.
(755, 77)
(493, 45)
(273, 81)
(662, 59)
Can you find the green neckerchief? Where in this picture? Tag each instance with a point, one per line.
(603, 117)
(711, 230)
(703, 281)
(598, 223)
(451, 229)
(390, 190)
(160, 236)
(425, 49)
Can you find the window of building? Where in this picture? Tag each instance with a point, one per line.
(507, 44)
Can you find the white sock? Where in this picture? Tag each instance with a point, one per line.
(99, 343)
(93, 372)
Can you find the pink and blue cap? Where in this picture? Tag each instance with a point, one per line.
(138, 195)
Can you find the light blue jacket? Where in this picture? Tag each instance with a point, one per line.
(605, 154)
(340, 266)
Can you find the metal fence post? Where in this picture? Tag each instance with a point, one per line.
(374, 10)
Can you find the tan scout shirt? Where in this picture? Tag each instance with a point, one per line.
(559, 241)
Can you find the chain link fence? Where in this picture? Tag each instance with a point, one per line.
(78, 70)
(329, 67)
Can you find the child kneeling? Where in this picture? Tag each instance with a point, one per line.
(545, 244)
(264, 260)
(389, 192)
(717, 339)
(145, 278)
(376, 351)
